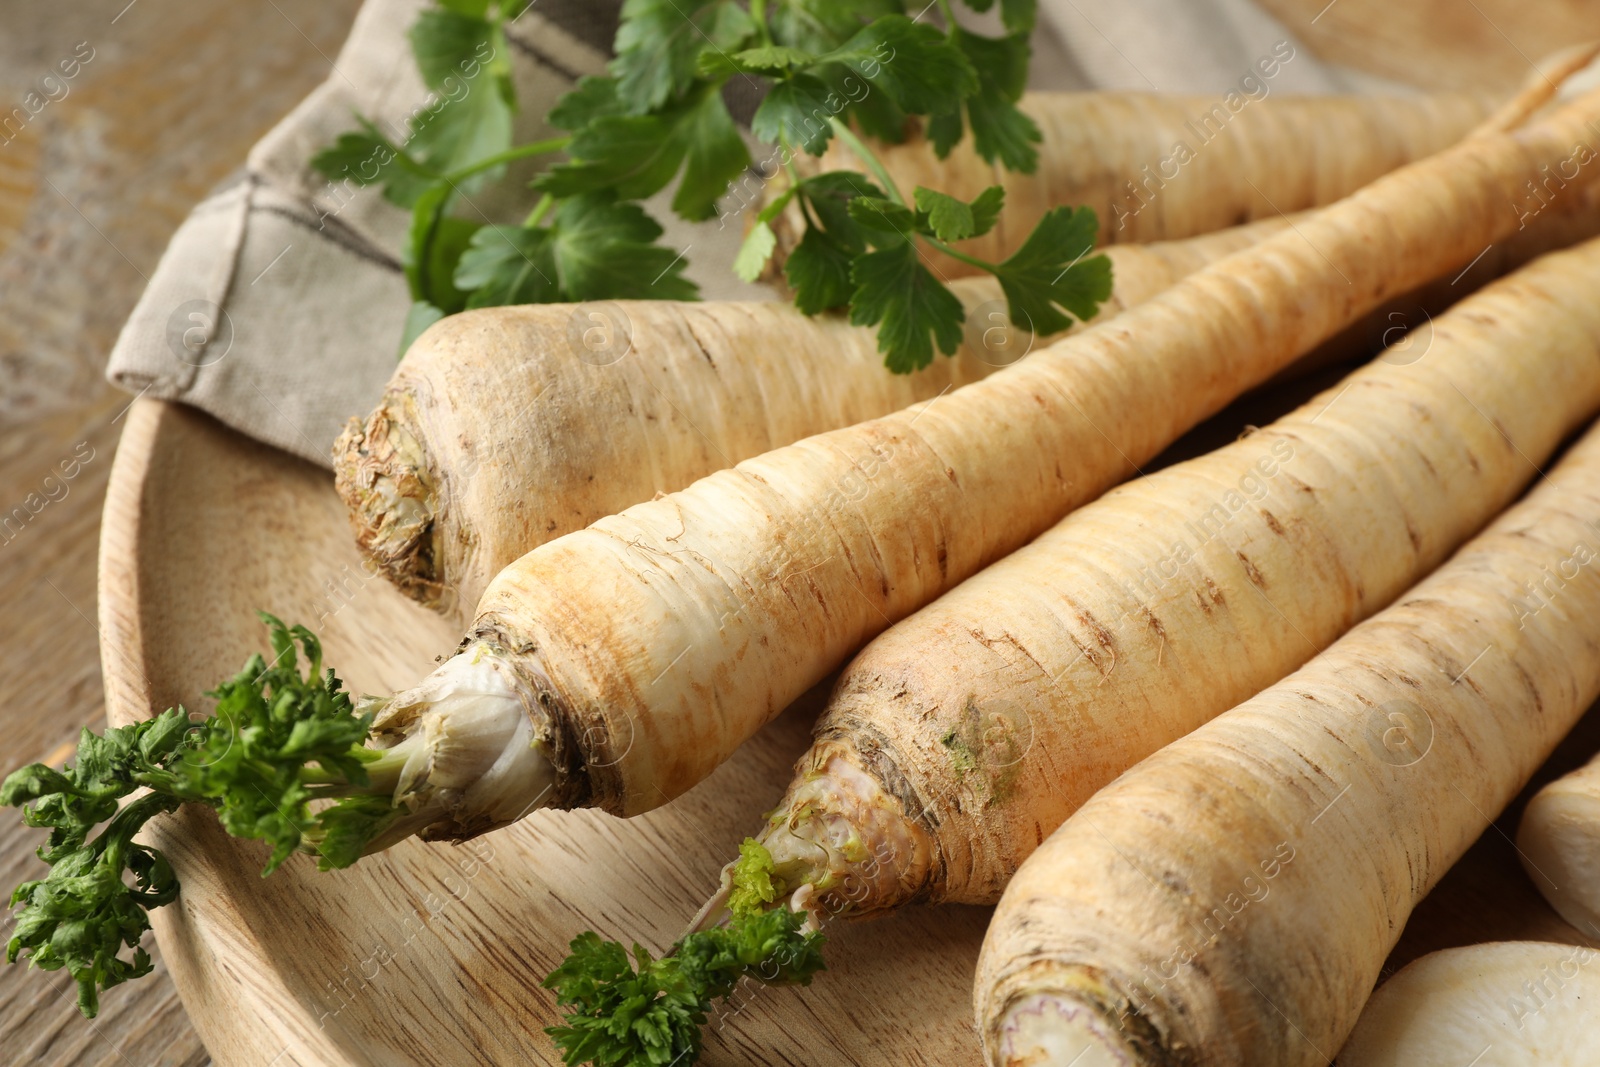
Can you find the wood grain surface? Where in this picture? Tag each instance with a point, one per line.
(432, 954)
(91, 187)
(1470, 45)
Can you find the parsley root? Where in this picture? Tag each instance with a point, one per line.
(649, 645)
(1159, 167)
(492, 435)
(1501, 1004)
(1232, 899)
(960, 738)
(1559, 839)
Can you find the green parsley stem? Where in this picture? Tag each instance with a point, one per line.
(408, 163)
(117, 838)
(391, 759)
(521, 151)
(758, 15)
(132, 815)
(542, 208)
(319, 776)
(867, 156)
(971, 261)
(795, 181)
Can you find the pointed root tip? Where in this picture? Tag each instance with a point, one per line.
(715, 910)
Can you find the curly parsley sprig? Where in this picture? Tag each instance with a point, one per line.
(278, 741)
(827, 68)
(645, 1012)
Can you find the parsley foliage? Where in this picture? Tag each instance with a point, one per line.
(637, 1011)
(277, 741)
(658, 119)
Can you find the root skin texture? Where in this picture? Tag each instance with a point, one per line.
(995, 712)
(1118, 154)
(505, 428)
(1231, 899)
(1505, 1004)
(1559, 842)
(663, 637)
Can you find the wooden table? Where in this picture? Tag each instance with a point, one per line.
(171, 98)
(90, 190)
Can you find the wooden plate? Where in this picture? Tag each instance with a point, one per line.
(433, 954)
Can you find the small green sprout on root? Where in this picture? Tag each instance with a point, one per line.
(644, 1012)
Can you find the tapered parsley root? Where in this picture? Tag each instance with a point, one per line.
(1559, 840)
(1159, 167)
(1507, 1004)
(506, 428)
(1162, 167)
(978, 725)
(651, 644)
(1231, 900)
(960, 738)
(437, 479)
(490, 439)
(955, 742)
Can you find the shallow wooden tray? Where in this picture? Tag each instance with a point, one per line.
(433, 954)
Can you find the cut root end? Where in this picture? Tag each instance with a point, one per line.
(844, 842)
(465, 754)
(380, 473)
(1047, 1029)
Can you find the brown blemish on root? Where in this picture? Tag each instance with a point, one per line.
(1160, 632)
(1009, 639)
(705, 349)
(1155, 624)
(1103, 652)
(1414, 536)
(1250, 571)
